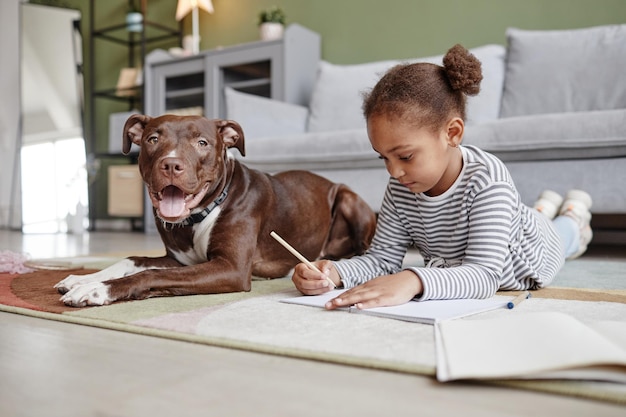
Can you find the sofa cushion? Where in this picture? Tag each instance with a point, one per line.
(485, 106)
(260, 116)
(558, 71)
(553, 136)
(337, 95)
(339, 149)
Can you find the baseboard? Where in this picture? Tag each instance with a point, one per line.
(118, 225)
(608, 229)
(609, 237)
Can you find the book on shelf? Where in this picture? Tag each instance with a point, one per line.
(127, 82)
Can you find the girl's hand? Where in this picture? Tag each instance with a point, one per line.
(311, 282)
(386, 290)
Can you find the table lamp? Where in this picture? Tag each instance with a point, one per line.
(184, 7)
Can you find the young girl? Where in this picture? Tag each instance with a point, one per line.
(456, 204)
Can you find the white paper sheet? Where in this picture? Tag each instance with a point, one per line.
(528, 346)
(427, 312)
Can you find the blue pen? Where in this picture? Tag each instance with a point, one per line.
(518, 300)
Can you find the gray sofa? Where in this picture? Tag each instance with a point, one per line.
(552, 106)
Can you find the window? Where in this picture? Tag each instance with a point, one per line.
(54, 186)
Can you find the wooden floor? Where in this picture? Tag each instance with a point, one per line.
(50, 368)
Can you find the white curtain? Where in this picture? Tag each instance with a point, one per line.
(10, 104)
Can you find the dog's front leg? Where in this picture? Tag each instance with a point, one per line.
(118, 270)
(196, 279)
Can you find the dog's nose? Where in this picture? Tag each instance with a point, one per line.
(172, 167)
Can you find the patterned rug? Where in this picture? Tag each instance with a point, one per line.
(257, 321)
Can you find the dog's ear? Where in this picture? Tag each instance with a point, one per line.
(232, 134)
(133, 130)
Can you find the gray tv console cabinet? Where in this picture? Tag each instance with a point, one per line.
(284, 69)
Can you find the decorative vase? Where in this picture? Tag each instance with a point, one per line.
(270, 31)
(134, 22)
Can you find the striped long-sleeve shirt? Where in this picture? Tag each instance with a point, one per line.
(476, 238)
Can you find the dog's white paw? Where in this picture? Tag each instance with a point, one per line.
(87, 294)
(70, 282)
(118, 270)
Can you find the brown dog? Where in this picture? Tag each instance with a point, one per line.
(215, 216)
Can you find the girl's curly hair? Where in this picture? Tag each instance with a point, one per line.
(426, 94)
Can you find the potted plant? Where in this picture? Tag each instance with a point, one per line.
(271, 23)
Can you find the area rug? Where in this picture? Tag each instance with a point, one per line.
(257, 321)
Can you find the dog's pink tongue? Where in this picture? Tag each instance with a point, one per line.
(173, 202)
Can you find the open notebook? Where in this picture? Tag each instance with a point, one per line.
(537, 345)
(427, 312)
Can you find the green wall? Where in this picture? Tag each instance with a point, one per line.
(355, 31)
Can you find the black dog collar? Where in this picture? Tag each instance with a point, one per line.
(198, 217)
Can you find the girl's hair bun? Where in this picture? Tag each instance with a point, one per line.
(463, 70)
